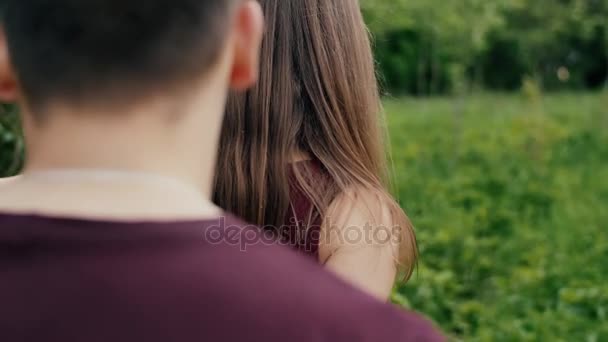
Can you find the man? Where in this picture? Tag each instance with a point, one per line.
(109, 234)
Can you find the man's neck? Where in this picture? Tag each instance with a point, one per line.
(178, 145)
(137, 145)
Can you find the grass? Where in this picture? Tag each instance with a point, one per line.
(509, 194)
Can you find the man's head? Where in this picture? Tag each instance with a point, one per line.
(94, 52)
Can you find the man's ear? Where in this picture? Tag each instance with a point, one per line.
(8, 83)
(249, 29)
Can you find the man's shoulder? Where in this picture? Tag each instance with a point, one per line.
(214, 280)
(300, 296)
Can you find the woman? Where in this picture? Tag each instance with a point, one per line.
(304, 149)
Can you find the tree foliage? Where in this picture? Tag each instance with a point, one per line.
(431, 46)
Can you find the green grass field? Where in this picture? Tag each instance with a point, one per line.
(509, 195)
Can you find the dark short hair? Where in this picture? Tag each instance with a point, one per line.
(88, 50)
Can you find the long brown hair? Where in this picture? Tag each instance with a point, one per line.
(317, 94)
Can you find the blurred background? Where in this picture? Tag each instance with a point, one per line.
(498, 116)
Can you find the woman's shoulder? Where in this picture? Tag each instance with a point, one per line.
(361, 219)
(359, 204)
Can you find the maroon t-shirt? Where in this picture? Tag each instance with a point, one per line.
(220, 280)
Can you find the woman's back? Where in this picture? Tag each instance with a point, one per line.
(317, 95)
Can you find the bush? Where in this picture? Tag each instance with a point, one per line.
(502, 64)
(11, 142)
(406, 68)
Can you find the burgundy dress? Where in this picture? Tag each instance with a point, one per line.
(302, 228)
